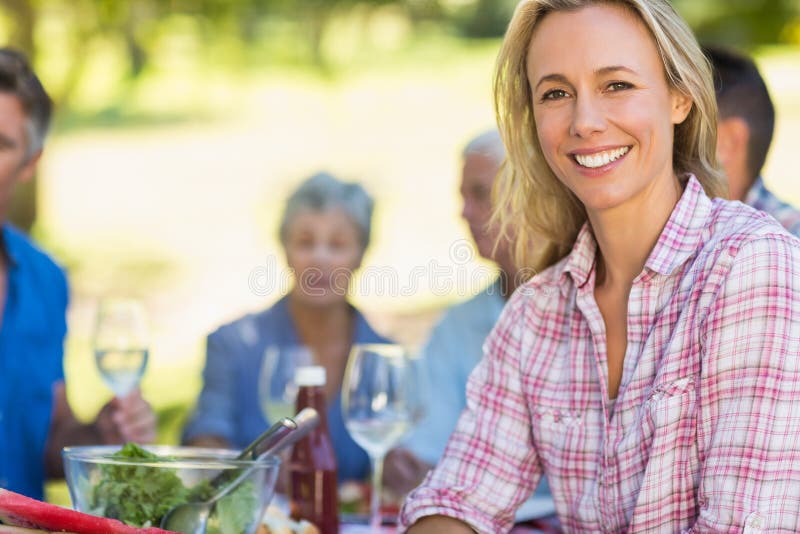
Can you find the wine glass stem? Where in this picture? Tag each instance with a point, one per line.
(375, 499)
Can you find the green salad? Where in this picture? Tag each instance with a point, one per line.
(140, 495)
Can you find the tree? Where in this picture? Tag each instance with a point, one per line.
(743, 24)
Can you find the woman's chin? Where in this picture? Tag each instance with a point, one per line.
(318, 297)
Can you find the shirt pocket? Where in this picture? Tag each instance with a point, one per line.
(558, 429)
(663, 417)
(668, 417)
(665, 402)
(666, 455)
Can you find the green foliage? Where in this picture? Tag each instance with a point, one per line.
(146, 32)
(743, 24)
(484, 18)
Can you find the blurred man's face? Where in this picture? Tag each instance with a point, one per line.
(733, 140)
(14, 166)
(476, 191)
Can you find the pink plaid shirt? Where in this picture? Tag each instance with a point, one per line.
(705, 434)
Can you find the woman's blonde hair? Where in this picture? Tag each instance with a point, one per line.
(545, 215)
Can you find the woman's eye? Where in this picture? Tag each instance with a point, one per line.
(619, 86)
(554, 94)
(304, 243)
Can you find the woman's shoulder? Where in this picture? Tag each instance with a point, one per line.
(733, 226)
(543, 293)
(250, 328)
(364, 333)
(544, 285)
(738, 235)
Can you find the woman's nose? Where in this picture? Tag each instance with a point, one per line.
(322, 254)
(588, 117)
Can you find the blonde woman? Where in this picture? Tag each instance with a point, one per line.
(651, 368)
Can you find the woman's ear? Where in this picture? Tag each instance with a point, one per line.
(681, 106)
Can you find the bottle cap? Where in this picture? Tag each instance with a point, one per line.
(310, 375)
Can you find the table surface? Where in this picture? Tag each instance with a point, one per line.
(541, 520)
(544, 525)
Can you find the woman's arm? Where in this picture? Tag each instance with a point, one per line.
(213, 417)
(749, 394)
(490, 464)
(439, 524)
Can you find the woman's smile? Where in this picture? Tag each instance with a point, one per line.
(599, 161)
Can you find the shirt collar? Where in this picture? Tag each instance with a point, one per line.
(683, 233)
(678, 240)
(580, 262)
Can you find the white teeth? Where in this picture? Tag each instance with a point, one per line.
(602, 158)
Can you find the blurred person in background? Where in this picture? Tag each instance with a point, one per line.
(324, 231)
(455, 344)
(36, 420)
(746, 125)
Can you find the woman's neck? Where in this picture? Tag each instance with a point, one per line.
(328, 332)
(319, 325)
(627, 233)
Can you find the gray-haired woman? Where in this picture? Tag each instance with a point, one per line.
(324, 232)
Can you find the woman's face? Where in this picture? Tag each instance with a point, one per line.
(323, 248)
(603, 110)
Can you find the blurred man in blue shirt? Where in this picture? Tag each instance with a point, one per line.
(35, 418)
(455, 345)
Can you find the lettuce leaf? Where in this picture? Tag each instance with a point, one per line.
(137, 495)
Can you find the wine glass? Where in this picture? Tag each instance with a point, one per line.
(121, 341)
(382, 400)
(277, 390)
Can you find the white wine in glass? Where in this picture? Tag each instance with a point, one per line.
(277, 391)
(382, 400)
(121, 341)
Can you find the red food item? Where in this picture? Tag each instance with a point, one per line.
(21, 511)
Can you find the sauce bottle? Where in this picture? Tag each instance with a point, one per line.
(312, 466)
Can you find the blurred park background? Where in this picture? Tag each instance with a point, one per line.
(183, 124)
